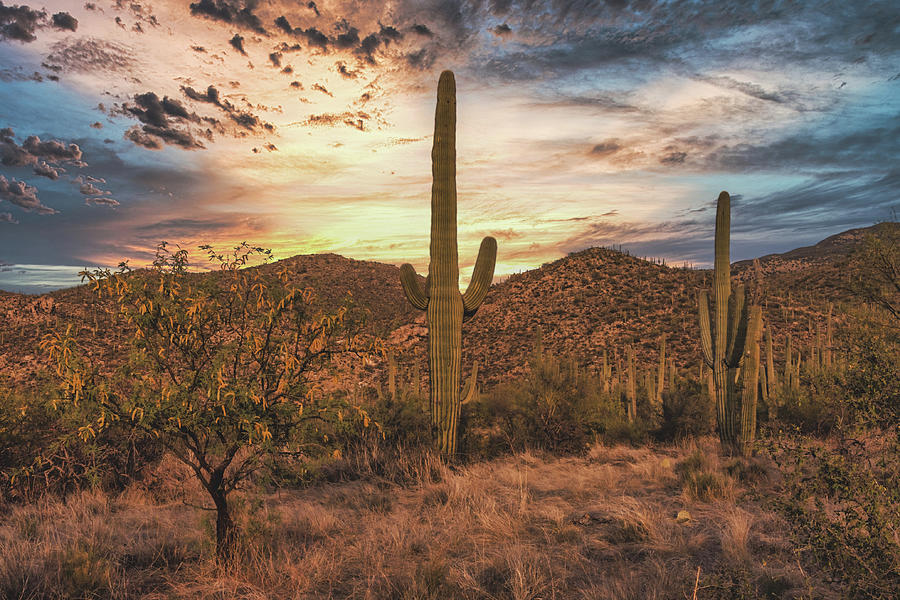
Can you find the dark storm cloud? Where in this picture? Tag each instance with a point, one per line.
(233, 12)
(65, 21)
(242, 118)
(165, 121)
(237, 42)
(422, 30)
(19, 22)
(347, 38)
(389, 34)
(149, 109)
(683, 33)
(90, 54)
(22, 195)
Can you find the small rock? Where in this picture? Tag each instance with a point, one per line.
(683, 516)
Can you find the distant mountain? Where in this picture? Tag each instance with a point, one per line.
(585, 303)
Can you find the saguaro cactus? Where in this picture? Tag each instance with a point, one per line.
(445, 306)
(724, 352)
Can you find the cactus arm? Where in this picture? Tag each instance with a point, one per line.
(738, 317)
(410, 282)
(470, 391)
(705, 333)
(481, 276)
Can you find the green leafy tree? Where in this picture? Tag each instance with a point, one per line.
(218, 370)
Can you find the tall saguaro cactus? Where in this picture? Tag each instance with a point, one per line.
(445, 306)
(724, 352)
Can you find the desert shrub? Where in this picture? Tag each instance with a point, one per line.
(701, 480)
(687, 411)
(843, 502)
(218, 371)
(872, 375)
(44, 455)
(558, 406)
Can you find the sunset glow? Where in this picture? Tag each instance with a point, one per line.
(306, 127)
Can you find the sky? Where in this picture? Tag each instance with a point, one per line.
(306, 127)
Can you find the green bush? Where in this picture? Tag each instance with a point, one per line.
(557, 406)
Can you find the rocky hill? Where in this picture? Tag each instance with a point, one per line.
(585, 303)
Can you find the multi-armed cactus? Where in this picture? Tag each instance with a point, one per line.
(723, 353)
(446, 307)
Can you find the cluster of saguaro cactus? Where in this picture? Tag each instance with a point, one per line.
(724, 353)
(446, 307)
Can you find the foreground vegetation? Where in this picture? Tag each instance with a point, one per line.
(616, 522)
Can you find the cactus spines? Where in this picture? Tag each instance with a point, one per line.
(724, 352)
(446, 307)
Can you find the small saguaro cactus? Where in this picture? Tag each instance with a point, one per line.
(723, 353)
(445, 306)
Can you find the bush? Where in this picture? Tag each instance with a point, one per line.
(558, 406)
(844, 504)
(687, 411)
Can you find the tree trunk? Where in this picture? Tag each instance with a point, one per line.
(225, 528)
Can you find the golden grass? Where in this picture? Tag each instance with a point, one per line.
(524, 527)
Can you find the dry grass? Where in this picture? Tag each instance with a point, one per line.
(526, 527)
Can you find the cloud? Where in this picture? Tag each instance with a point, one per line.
(6, 217)
(237, 42)
(22, 195)
(321, 88)
(164, 121)
(151, 110)
(89, 189)
(45, 170)
(244, 119)
(65, 21)
(503, 30)
(20, 22)
(101, 202)
(673, 158)
(605, 148)
(33, 150)
(356, 120)
(422, 30)
(89, 54)
(233, 12)
(344, 71)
